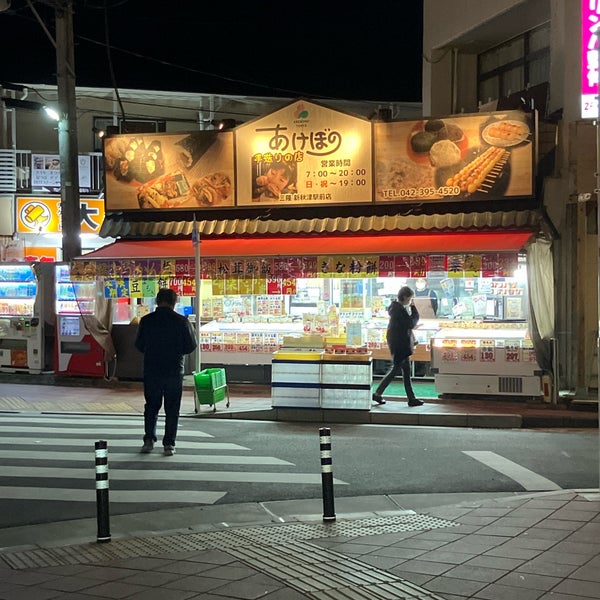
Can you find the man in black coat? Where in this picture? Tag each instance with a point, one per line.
(164, 336)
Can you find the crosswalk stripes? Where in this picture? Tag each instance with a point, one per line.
(53, 458)
(528, 479)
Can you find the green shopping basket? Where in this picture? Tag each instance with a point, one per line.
(210, 387)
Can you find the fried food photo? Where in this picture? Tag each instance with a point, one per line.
(169, 191)
(212, 189)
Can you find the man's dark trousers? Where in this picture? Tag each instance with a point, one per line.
(157, 387)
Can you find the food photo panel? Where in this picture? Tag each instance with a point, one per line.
(169, 171)
(487, 156)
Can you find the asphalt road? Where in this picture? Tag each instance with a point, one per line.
(47, 470)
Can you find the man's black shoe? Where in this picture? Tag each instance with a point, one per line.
(377, 398)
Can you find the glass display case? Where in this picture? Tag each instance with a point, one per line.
(485, 358)
(249, 342)
(246, 329)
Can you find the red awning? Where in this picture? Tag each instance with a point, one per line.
(441, 243)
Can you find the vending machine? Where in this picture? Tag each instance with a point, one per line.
(77, 350)
(22, 330)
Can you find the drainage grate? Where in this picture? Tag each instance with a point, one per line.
(276, 534)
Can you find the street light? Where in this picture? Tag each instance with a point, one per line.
(31, 105)
(51, 113)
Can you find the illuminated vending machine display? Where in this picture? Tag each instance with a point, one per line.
(77, 352)
(21, 322)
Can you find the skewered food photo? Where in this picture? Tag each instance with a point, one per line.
(483, 171)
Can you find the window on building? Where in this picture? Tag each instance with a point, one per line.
(515, 65)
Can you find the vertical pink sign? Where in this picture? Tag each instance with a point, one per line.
(590, 19)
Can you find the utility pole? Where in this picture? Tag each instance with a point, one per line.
(67, 131)
(67, 124)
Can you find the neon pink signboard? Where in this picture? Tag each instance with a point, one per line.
(590, 19)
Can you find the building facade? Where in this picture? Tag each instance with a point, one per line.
(483, 56)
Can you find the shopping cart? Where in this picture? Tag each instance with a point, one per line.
(210, 387)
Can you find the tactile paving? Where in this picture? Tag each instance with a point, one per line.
(277, 534)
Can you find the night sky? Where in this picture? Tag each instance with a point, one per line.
(312, 49)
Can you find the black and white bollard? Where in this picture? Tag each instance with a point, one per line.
(102, 492)
(326, 474)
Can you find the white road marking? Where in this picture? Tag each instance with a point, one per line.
(129, 496)
(528, 479)
(118, 474)
(33, 441)
(156, 456)
(96, 431)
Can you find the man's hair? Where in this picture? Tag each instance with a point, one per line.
(166, 296)
(405, 292)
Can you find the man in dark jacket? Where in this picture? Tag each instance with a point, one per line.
(164, 336)
(404, 317)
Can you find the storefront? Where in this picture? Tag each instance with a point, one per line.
(31, 290)
(266, 278)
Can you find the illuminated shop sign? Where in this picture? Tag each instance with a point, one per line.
(590, 19)
(305, 154)
(257, 275)
(43, 215)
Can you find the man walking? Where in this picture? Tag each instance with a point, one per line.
(164, 336)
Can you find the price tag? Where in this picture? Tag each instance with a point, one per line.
(468, 355)
(513, 355)
(449, 355)
(487, 354)
(448, 343)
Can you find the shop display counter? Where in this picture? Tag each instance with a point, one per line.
(485, 358)
(243, 343)
(346, 381)
(317, 379)
(375, 334)
(296, 378)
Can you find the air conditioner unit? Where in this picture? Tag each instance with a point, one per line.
(8, 170)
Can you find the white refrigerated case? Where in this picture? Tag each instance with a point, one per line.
(485, 358)
(22, 328)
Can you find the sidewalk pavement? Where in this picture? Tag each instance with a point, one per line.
(429, 546)
(542, 546)
(253, 402)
